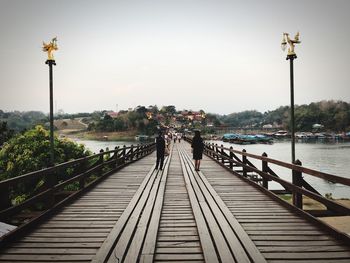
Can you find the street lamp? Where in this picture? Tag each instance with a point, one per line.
(49, 48)
(291, 56)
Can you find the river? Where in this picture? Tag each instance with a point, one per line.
(333, 158)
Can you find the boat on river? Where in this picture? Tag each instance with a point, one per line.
(142, 138)
(246, 138)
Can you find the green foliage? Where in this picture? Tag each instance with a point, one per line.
(333, 115)
(20, 199)
(19, 121)
(5, 133)
(243, 119)
(30, 151)
(133, 120)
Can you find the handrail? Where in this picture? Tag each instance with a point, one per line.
(298, 187)
(85, 171)
(15, 180)
(326, 176)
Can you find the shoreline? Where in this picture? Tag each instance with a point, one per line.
(98, 136)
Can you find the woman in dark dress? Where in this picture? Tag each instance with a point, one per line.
(198, 147)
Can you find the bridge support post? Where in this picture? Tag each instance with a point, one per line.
(138, 147)
(231, 158)
(5, 198)
(131, 152)
(51, 180)
(244, 161)
(265, 181)
(100, 162)
(222, 154)
(217, 151)
(123, 156)
(297, 181)
(115, 156)
(82, 169)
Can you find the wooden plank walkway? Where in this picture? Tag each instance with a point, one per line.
(279, 234)
(178, 238)
(77, 232)
(176, 215)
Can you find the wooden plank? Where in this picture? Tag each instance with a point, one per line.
(228, 224)
(51, 251)
(111, 239)
(149, 246)
(5, 228)
(303, 248)
(310, 261)
(126, 238)
(309, 255)
(233, 228)
(149, 222)
(203, 230)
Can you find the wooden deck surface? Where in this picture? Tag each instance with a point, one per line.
(176, 215)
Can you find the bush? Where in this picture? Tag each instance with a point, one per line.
(30, 151)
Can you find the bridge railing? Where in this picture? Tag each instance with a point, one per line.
(59, 183)
(238, 162)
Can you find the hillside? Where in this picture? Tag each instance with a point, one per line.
(70, 124)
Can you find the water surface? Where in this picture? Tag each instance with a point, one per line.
(333, 158)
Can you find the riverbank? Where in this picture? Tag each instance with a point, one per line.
(98, 136)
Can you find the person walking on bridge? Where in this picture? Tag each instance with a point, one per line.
(197, 149)
(160, 145)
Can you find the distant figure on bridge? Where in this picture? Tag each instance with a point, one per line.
(197, 148)
(179, 137)
(160, 144)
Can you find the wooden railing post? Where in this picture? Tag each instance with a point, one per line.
(115, 156)
(217, 151)
(231, 158)
(5, 201)
(137, 151)
(82, 169)
(222, 154)
(297, 181)
(265, 181)
(100, 161)
(123, 156)
(131, 152)
(143, 150)
(51, 180)
(244, 161)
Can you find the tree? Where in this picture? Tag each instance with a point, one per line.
(5, 133)
(30, 151)
(119, 124)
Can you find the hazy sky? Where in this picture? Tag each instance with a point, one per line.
(219, 56)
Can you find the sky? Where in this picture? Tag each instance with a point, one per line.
(215, 55)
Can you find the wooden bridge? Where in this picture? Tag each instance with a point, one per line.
(126, 211)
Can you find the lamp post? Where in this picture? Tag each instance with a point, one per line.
(291, 56)
(49, 48)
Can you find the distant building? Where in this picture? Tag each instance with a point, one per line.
(267, 126)
(112, 114)
(149, 115)
(193, 115)
(317, 127)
